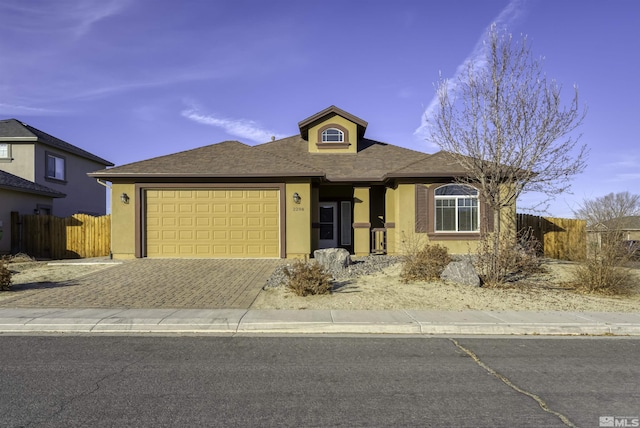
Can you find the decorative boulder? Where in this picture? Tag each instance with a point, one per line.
(333, 259)
(462, 272)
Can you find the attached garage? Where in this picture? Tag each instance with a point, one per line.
(212, 222)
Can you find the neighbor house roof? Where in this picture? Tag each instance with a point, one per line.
(13, 182)
(631, 222)
(226, 159)
(13, 130)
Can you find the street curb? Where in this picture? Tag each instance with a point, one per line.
(242, 321)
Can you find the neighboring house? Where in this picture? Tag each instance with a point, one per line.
(329, 186)
(48, 161)
(41, 174)
(625, 228)
(23, 196)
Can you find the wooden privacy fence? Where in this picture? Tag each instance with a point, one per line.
(561, 238)
(46, 236)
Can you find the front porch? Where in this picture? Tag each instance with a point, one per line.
(351, 217)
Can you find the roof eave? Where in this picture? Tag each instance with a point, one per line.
(422, 175)
(34, 192)
(166, 175)
(26, 139)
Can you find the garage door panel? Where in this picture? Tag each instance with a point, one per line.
(213, 223)
(220, 221)
(236, 222)
(270, 222)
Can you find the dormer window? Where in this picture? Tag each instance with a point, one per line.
(332, 135)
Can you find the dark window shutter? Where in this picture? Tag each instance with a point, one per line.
(422, 208)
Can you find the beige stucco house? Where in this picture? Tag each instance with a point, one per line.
(624, 228)
(328, 186)
(42, 174)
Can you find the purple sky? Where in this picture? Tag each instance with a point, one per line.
(133, 79)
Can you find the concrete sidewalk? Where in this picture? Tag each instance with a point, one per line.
(233, 321)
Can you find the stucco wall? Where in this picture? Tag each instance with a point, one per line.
(298, 220)
(404, 238)
(351, 127)
(21, 163)
(84, 194)
(297, 224)
(23, 203)
(123, 221)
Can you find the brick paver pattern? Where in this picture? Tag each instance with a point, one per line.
(155, 283)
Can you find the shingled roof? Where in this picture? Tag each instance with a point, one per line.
(227, 159)
(373, 161)
(13, 130)
(440, 164)
(631, 222)
(288, 157)
(13, 182)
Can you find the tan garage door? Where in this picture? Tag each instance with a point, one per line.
(213, 223)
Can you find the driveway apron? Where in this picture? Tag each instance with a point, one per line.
(155, 283)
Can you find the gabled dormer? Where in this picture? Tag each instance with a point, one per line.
(332, 131)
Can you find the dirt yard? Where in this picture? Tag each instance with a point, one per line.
(544, 292)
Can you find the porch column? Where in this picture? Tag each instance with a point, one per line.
(361, 221)
(390, 206)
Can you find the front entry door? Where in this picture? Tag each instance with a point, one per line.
(328, 225)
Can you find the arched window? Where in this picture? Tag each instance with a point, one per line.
(332, 135)
(456, 208)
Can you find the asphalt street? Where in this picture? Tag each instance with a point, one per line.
(144, 381)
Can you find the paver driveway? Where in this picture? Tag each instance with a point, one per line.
(156, 283)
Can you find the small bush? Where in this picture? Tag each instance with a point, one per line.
(426, 264)
(308, 278)
(604, 271)
(600, 276)
(5, 275)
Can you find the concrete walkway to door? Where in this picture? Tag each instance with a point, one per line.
(154, 284)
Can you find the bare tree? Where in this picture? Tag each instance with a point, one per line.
(609, 217)
(608, 210)
(504, 122)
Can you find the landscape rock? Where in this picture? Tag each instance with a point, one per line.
(461, 271)
(333, 259)
(360, 266)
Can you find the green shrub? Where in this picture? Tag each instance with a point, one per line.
(426, 264)
(308, 278)
(5, 275)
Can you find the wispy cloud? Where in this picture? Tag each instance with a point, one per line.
(507, 17)
(164, 79)
(72, 16)
(628, 162)
(21, 110)
(242, 128)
